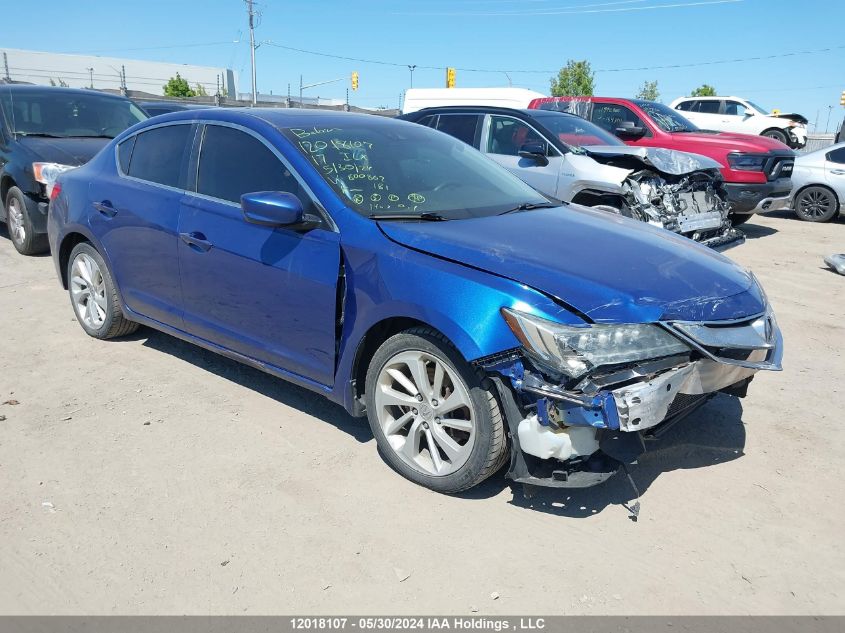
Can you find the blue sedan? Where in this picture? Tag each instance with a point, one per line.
(400, 273)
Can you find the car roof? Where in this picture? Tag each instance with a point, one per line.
(58, 90)
(524, 112)
(278, 117)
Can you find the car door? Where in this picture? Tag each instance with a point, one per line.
(501, 140)
(834, 168)
(706, 114)
(735, 117)
(266, 293)
(135, 214)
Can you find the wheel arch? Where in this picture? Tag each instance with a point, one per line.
(67, 245)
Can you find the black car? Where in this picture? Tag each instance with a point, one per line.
(155, 108)
(44, 131)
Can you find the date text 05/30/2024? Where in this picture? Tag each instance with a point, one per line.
(456, 623)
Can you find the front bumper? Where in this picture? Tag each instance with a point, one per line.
(749, 198)
(582, 436)
(797, 137)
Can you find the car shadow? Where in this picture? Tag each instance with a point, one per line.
(280, 390)
(4, 234)
(754, 231)
(712, 435)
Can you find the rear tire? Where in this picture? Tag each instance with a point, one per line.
(24, 238)
(816, 204)
(778, 135)
(435, 418)
(93, 295)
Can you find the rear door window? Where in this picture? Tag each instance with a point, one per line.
(158, 154)
(708, 107)
(837, 156)
(461, 126)
(233, 163)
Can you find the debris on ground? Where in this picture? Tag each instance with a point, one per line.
(495, 595)
(836, 262)
(401, 574)
(11, 402)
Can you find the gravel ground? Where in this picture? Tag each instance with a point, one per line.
(147, 476)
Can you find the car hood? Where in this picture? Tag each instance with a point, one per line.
(65, 151)
(668, 161)
(732, 142)
(608, 268)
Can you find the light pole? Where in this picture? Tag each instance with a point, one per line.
(252, 47)
(411, 68)
(319, 83)
(91, 76)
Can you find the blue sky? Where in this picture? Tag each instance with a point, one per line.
(513, 35)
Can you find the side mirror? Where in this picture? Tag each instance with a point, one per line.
(535, 152)
(274, 208)
(628, 130)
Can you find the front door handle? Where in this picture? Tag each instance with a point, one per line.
(196, 241)
(105, 207)
(838, 172)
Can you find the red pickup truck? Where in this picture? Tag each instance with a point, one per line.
(757, 170)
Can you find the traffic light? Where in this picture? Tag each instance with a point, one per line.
(355, 80)
(450, 77)
(842, 98)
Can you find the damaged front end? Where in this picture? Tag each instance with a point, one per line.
(678, 191)
(579, 401)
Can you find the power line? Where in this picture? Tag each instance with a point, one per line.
(526, 71)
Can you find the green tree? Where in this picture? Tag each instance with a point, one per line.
(649, 91)
(576, 79)
(705, 90)
(200, 91)
(178, 87)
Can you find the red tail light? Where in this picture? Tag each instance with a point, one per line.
(55, 191)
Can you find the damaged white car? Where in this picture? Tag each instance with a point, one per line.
(570, 159)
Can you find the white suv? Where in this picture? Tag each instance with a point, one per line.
(734, 114)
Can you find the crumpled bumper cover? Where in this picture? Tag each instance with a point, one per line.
(729, 354)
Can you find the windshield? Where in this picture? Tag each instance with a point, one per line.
(666, 118)
(68, 114)
(385, 168)
(575, 131)
(759, 109)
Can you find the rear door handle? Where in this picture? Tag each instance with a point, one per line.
(196, 241)
(838, 172)
(105, 207)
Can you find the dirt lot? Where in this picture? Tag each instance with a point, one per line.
(149, 476)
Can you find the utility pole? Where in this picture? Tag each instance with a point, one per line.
(411, 68)
(827, 124)
(251, 12)
(91, 75)
(6, 64)
(123, 89)
(347, 100)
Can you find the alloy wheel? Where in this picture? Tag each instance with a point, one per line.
(17, 229)
(88, 291)
(815, 204)
(426, 413)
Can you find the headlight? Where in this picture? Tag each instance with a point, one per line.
(575, 350)
(746, 162)
(47, 173)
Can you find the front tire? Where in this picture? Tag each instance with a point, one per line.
(738, 219)
(816, 204)
(24, 238)
(435, 420)
(776, 134)
(93, 295)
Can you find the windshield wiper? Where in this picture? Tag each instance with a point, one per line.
(425, 217)
(528, 206)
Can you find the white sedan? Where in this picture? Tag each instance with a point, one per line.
(818, 184)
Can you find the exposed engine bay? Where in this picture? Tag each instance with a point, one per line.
(678, 191)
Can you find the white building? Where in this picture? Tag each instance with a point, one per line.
(81, 71)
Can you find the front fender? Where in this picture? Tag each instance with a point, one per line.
(462, 303)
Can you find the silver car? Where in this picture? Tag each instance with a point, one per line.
(818, 184)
